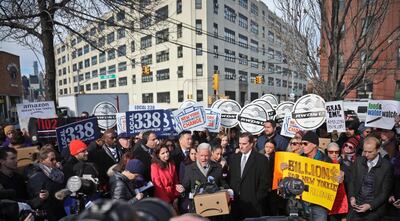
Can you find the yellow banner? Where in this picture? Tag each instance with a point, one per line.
(321, 177)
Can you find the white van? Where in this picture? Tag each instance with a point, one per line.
(360, 107)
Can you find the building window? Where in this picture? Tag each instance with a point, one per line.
(60, 82)
(102, 57)
(229, 14)
(123, 81)
(179, 30)
(163, 97)
(120, 33)
(254, 8)
(147, 59)
(270, 81)
(145, 21)
(120, 15)
(230, 74)
(254, 46)
(199, 70)
(147, 78)
(66, 90)
(65, 81)
(284, 83)
(271, 36)
(198, 4)
(103, 71)
(147, 98)
(112, 83)
(134, 79)
(121, 50)
(199, 95)
(87, 75)
(229, 35)
(111, 69)
(103, 84)
(215, 29)
(81, 77)
(161, 14)
(86, 49)
(180, 72)
(254, 62)
(254, 27)
(133, 63)
(278, 82)
(243, 41)
(243, 59)
(229, 55)
(162, 36)
(94, 60)
(243, 21)
(145, 42)
(243, 3)
(215, 51)
(95, 73)
(122, 66)
(270, 53)
(88, 87)
(111, 54)
(180, 51)
(180, 96)
(199, 49)
(216, 6)
(178, 6)
(132, 46)
(198, 26)
(162, 56)
(162, 74)
(110, 37)
(243, 76)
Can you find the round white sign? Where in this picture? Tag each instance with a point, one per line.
(229, 111)
(271, 99)
(267, 106)
(105, 113)
(282, 109)
(309, 112)
(252, 118)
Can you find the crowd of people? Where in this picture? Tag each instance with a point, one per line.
(369, 178)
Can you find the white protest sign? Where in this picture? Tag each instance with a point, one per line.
(271, 99)
(309, 111)
(187, 103)
(42, 110)
(289, 126)
(105, 112)
(252, 118)
(191, 118)
(382, 113)
(282, 109)
(213, 119)
(335, 116)
(267, 106)
(229, 111)
(121, 122)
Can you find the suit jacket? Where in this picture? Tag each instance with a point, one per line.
(145, 157)
(177, 156)
(383, 186)
(103, 160)
(193, 174)
(251, 190)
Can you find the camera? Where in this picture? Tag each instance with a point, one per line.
(290, 187)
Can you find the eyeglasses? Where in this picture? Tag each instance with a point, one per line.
(304, 143)
(349, 146)
(333, 152)
(295, 143)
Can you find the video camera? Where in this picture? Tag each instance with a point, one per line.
(289, 188)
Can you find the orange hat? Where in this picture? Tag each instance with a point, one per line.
(8, 128)
(76, 146)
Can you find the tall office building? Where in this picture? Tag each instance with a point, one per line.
(175, 51)
(35, 68)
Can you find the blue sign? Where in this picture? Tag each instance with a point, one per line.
(158, 121)
(86, 130)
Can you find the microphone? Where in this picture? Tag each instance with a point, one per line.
(61, 194)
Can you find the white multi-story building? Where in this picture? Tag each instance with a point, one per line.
(184, 43)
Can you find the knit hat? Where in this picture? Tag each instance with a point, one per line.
(311, 137)
(76, 146)
(8, 128)
(353, 141)
(135, 166)
(123, 135)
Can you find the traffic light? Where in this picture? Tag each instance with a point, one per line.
(215, 85)
(258, 79)
(145, 70)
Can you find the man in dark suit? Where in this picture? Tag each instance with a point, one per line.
(180, 153)
(144, 152)
(249, 177)
(371, 184)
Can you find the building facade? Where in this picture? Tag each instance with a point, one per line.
(173, 54)
(11, 87)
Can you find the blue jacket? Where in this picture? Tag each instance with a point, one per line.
(281, 142)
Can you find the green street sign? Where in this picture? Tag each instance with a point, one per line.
(108, 76)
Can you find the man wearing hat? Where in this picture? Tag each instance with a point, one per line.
(9, 131)
(123, 184)
(77, 164)
(310, 143)
(124, 142)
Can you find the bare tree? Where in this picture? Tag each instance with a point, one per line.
(39, 24)
(338, 45)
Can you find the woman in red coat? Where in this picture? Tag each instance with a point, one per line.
(165, 177)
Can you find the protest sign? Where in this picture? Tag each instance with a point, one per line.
(191, 118)
(139, 107)
(141, 121)
(282, 109)
(213, 120)
(321, 177)
(252, 118)
(168, 126)
(229, 111)
(309, 111)
(121, 123)
(25, 111)
(86, 130)
(382, 113)
(267, 106)
(289, 126)
(187, 103)
(271, 99)
(105, 113)
(335, 119)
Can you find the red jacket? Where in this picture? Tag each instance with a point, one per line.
(164, 181)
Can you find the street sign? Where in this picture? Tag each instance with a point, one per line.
(108, 76)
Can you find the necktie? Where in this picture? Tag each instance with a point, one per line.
(242, 164)
(114, 152)
(186, 153)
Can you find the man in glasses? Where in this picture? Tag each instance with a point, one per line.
(310, 143)
(371, 183)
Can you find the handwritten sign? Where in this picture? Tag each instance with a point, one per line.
(335, 116)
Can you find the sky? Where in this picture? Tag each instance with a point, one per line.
(27, 57)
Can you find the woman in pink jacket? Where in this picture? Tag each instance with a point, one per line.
(165, 177)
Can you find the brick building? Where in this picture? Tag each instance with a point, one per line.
(386, 84)
(11, 86)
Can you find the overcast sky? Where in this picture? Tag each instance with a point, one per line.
(27, 57)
